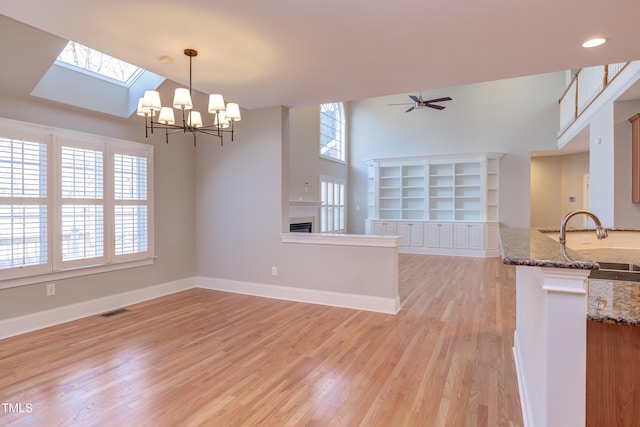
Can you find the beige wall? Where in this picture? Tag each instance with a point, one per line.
(305, 163)
(242, 192)
(627, 213)
(554, 181)
(174, 208)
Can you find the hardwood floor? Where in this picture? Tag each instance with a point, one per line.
(203, 357)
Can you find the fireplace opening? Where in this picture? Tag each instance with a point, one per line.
(300, 227)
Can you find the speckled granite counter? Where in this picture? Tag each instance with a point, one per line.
(610, 301)
(527, 246)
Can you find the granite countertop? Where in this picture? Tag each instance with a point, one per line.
(528, 246)
(532, 247)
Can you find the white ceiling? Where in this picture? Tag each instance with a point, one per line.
(302, 52)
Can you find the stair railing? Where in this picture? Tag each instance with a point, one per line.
(585, 86)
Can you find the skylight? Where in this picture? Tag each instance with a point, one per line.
(86, 78)
(96, 62)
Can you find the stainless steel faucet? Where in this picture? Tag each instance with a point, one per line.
(601, 232)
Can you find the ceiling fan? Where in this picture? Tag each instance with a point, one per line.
(419, 103)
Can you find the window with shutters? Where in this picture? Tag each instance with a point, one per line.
(332, 131)
(24, 206)
(131, 203)
(82, 205)
(70, 203)
(332, 208)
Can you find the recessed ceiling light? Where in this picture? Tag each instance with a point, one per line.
(594, 42)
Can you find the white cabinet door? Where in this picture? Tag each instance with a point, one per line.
(411, 234)
(469, 236)
(476, 236)
(385, 228)
(439, 235)
(417, 234)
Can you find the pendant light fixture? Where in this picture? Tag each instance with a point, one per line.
(224, 113)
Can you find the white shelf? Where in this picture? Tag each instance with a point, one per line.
(443, 188)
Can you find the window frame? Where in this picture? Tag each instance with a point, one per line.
(342, 129)
(55, 268)
(27, 136)
(59, 202)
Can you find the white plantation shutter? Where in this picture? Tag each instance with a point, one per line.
(332, 209)
(71, 204)
(82, 204)
(131, 206)
(23, 205)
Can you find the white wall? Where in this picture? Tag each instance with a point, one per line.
(602, 164)
(514, 116)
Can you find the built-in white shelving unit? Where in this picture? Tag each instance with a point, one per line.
(452, 200)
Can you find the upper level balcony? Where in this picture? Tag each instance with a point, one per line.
(589, 89)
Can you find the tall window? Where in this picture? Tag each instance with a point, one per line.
(131, 225)
(24, 206)
(71, 203)
(332, 123)
(332, 209)
(82, 211)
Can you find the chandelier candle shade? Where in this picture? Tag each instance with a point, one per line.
(224, 113)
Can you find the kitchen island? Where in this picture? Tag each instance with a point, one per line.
(550, 341)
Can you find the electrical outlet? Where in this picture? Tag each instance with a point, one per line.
(274, 271)
(51, 289)
(586, 239)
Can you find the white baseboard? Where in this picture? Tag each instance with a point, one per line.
(42, 319)
(522, 383)
(312, 296)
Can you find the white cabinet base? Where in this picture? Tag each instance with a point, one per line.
(475, 239)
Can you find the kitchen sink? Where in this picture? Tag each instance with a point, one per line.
(629, 272)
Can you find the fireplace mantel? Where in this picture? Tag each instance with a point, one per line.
(305, 211)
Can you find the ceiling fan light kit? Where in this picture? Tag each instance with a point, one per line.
(419, 103)
(225, 114)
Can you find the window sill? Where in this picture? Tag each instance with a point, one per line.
(333, 159)
(76, 272)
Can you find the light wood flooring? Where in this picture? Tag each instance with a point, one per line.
(204, 357)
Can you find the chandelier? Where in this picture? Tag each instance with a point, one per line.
(224, 114)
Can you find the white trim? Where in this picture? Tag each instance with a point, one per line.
(525, 404)
(341, 239)
(311, 296)
(43, 319)
(66, 274)
(564, 280)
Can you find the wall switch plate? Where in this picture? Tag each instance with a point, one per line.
(51, 289)
(274, 271)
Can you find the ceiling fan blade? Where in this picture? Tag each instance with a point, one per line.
(437, 107)
(406, 103)
(439, 99)
(415, 98)
(410, 109)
